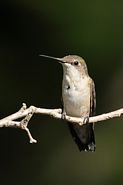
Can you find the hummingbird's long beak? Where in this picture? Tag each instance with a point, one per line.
(55, 58)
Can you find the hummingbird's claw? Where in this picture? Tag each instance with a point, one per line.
(63, 115)
(85, 119)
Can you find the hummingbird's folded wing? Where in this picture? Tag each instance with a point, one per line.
(92, 99)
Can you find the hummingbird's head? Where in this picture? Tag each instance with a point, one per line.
(74, 63)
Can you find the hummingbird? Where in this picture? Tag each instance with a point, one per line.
(79, 99)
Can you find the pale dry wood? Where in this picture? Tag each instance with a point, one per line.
(27, 113)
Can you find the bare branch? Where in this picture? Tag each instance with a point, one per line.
(27, 113)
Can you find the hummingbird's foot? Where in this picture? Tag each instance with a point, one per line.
(63, 115)
(85, 119)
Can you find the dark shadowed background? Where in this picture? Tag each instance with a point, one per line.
(91, 29)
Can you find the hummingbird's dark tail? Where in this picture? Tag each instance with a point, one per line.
(83, 136)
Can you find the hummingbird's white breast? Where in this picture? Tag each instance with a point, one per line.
(76, 93)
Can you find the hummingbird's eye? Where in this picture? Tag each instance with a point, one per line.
(76, 63)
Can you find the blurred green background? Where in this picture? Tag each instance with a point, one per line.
(91, 29)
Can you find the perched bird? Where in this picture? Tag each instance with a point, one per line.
(79, 99)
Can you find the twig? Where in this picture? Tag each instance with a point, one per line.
(27, 113)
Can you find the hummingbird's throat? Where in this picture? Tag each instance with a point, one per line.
(71, 72)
